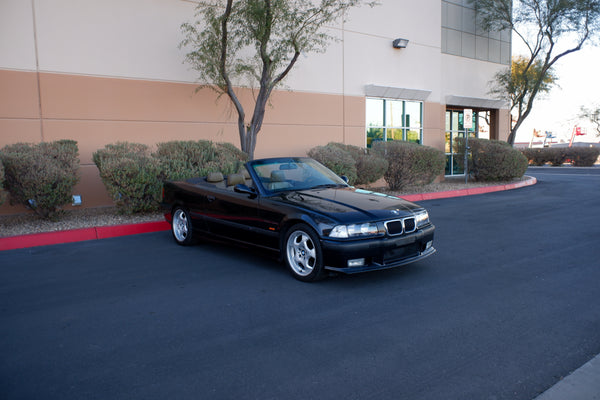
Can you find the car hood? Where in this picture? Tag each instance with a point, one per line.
(351, 204)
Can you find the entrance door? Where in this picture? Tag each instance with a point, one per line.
(455, 129)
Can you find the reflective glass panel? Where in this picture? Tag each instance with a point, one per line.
(394, 134)
(413, 136)
(374, 134)
(393, 113)
(374, 112)
(412, 110)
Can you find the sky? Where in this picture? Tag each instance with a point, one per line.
(578, 85)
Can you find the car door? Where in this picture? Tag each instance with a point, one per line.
(230, 214)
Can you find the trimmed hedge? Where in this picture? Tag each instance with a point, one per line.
(410, 163)
(230, 159)
(187, 159)
(131, 176)
(535, 156)
(41, 176)
(2, 193)
(369, 167)
(583, 156)
(556, 156)
(336, 159)
(492, 160)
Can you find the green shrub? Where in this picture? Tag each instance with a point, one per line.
(556, 156)
(583, 156)
(41, 176)
(493, 160)
(336, 159)
(410, 163)
(579, 156)
(131, 176)
(2, 192)
(118, 150)
(535, 156)
(186, 159)
(369, 166)
(229, 158)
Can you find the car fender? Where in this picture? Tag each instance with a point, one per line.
(317, 222)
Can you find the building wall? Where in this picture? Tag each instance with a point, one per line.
(101, 72)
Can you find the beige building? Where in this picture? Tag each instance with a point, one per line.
(99, 72)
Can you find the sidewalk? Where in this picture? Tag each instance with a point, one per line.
(582, 384)
(103, 232)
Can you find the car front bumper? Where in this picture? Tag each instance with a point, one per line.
(378, 253)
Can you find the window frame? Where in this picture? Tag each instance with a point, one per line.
(389, 128)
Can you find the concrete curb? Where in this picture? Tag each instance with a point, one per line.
(103, 232)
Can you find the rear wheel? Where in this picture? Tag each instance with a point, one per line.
(181, 227)
(303, 253)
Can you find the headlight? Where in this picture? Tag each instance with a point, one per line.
(354, 230)
(422, 218)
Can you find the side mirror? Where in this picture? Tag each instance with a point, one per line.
(344, 178)
(244, 189)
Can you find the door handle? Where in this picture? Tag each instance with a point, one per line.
(210, 198)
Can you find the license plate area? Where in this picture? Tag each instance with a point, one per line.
(398, 253)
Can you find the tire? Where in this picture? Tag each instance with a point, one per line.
(302, 253)
(181, 227)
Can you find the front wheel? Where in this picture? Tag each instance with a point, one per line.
(181, 227)
(303, 253)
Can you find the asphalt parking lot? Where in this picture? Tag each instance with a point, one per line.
(507, 307)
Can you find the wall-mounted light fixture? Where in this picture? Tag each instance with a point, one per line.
(400, 43)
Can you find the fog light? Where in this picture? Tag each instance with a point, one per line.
(358, 262)
(429, 244)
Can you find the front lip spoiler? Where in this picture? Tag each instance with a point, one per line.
(377, 266)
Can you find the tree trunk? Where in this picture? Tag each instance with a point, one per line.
(248, 141)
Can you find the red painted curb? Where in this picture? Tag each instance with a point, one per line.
(412, 197)
(442, 195)
(469, 192)
(46, 238)
(78, 235)
(103, 232)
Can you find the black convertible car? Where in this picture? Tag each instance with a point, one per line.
(305, 212)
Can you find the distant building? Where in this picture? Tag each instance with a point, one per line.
(107, 71)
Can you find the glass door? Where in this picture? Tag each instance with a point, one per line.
(455, 129)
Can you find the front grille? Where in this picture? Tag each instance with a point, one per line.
(394, 227)
(399, 226)
(409, 225)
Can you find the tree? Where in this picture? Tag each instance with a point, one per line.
(550, 30)
(256, 42)
(593, 115)
(517, 83)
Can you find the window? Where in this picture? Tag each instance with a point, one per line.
(394, 120)
(461, 35)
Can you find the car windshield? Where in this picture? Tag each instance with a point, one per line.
(283, 174)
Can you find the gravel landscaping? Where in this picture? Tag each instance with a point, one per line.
(22, 224)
